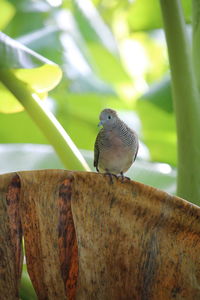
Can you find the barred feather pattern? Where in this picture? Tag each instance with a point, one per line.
(119, 129)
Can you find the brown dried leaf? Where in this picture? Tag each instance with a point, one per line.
(89, 239)
(10, 237)
(40, 219)
(134, 242)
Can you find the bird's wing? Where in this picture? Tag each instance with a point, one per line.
(96, 151)
(136, 152)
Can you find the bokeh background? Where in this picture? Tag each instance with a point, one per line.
(112, 54)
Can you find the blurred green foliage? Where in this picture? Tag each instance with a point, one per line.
(107, 62)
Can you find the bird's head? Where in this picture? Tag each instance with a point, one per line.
(108, 118)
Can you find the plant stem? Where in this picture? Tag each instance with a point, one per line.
(196, 38)
(55, 133)
(186, 101)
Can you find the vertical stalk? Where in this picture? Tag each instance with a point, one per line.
(196, 38)
(186, 101)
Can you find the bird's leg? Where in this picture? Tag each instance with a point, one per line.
(97, 169)
(121, 176)
(110, 175)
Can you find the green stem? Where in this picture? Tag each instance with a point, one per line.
(196, 38)
(186, 101)
(55, 133)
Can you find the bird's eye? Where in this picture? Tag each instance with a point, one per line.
(109, 117)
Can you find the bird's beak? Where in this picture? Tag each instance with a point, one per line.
(100, 123)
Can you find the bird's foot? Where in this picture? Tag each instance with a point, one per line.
(111, 176)
(122, 177)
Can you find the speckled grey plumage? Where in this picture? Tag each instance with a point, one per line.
(116, 145)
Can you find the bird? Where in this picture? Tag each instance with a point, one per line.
(116, 145)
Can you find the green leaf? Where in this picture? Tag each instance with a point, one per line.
(46, 121)
(160, 95)
(92, 26)
(7, 13)
(30, 16)
(111, 68)
(81, 114)
(159, 132)
(155, 109)
(41, 79)
(103, 53)
(27, 291)
(45, 41)
(146, 15)
(14, 55)
(40, 74)
(20, 128)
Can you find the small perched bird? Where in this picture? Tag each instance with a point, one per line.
(116, 145)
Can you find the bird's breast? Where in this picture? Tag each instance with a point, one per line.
(116, 158)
